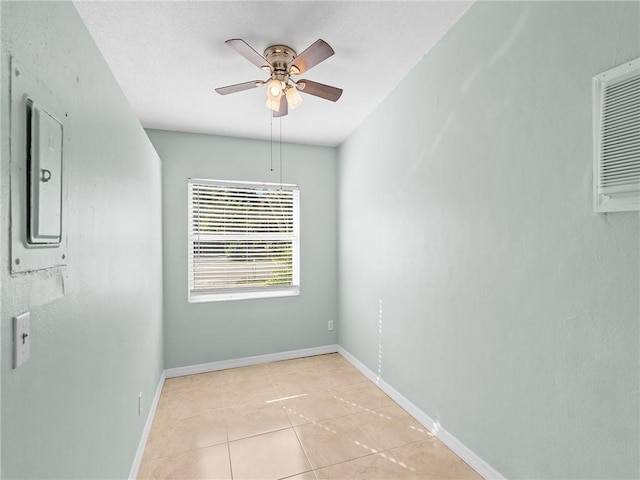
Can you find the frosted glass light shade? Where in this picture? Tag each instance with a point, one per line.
(274, 89)
(273, 104)
(294, 99)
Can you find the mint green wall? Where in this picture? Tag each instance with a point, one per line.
(206, 332)
(72, 410)
(509, 310)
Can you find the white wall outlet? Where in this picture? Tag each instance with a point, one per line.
(140, 404)
(21, 339)
(330, 325)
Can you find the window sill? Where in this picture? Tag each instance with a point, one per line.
(205, 297)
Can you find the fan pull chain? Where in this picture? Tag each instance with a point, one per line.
(271, 143)
(280, 152)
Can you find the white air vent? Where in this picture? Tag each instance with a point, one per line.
(616, 122)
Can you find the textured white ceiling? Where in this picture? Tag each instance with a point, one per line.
(169, 56)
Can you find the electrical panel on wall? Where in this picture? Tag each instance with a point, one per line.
(38, 129)
(616, 134)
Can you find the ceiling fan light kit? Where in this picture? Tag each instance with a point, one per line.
(281, 62)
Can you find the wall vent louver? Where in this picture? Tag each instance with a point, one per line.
(616, 122)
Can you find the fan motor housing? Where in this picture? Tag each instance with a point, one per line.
(279, 56)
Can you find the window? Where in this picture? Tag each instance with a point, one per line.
(243, 240)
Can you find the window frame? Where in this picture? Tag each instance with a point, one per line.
(243, 293)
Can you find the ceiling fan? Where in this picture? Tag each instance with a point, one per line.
(281, 62)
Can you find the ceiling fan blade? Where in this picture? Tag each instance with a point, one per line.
(284, 108)
(319, 90)
(239, 87)
(244, 49)
(317, 52)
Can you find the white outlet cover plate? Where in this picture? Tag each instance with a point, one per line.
(21, 339)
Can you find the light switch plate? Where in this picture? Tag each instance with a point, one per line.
(21, 339)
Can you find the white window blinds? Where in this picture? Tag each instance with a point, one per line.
(243, 240)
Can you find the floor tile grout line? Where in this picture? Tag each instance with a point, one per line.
(228, 444)
(371, 454)
(304, 450)
(259, 434)
(362, 411)
(226, 429)
(185, 390)
(230, 462)
(182, 452)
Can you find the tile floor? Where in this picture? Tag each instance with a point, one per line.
(313, 418)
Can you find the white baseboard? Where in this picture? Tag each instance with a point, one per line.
(133, 474)
(472, 459)
(246, 361)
